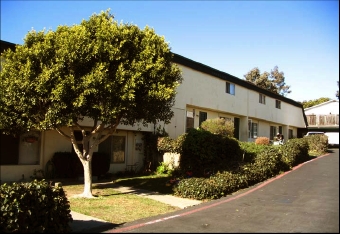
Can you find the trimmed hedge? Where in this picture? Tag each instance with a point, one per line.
(259, 163)
(34, 207)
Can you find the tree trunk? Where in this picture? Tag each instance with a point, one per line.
(87, 164)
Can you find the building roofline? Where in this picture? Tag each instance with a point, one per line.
(233, 79)
(321, 104)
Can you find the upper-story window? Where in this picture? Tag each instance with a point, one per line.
(230, 88)
(262, 99)
(278, 104)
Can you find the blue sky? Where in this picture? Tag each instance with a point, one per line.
(300, 37)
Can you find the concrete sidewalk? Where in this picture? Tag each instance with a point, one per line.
(87, 224)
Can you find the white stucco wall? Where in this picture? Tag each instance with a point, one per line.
(330, 107)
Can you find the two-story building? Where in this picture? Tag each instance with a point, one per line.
(205, 93)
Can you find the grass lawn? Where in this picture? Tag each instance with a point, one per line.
(116, 207)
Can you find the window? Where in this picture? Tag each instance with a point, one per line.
(273, 132)
(190, 120)
(115, 146)
(230, 88)
(278, 104)
(203, 117)
(252, 129)
(262, 99)
(21, 150)
(290, 134)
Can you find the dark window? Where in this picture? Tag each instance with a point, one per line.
(203, 117)
(115, 146)
(190, 120)
(278, 104)
(230, 88)
(262, 99)
(9, 150)
(273, 132)
(290, 134)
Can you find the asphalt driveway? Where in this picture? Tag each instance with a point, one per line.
(303, 200)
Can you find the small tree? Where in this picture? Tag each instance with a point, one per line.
(219, 126)
(109, 72)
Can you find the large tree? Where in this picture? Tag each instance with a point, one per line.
(112, 73)
(273, 81)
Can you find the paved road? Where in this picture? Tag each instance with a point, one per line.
(305, 200)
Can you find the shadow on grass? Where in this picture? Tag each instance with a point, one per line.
(150, 183)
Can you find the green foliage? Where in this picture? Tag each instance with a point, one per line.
(260, 163)
(34, 207)
(310, 103)
(219, 126)
(262, 141)
(109, 72)
(105, 70)
(317, 143)
(164, 168)
(165, 144)
(273, 81)
(200, 149)
(250, 150)
(295, 151)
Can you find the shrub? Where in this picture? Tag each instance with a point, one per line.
(34, 207)
(262, 141)
(219, 126)
(317, 143)
(201, 149)
(295, 151)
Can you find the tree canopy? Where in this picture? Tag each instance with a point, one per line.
(310, 103)
(112, 73)
(273, 81)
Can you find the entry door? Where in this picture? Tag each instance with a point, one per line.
(203, 117)
(237, 128)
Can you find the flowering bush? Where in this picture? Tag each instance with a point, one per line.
(262, 141)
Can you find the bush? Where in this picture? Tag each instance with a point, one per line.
(295, 151)
(201, 149)
(317, 143)
(34, 207)
(219, 126)
(262, 141)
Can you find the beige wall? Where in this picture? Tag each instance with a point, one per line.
(203, 92)
(52, 141)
